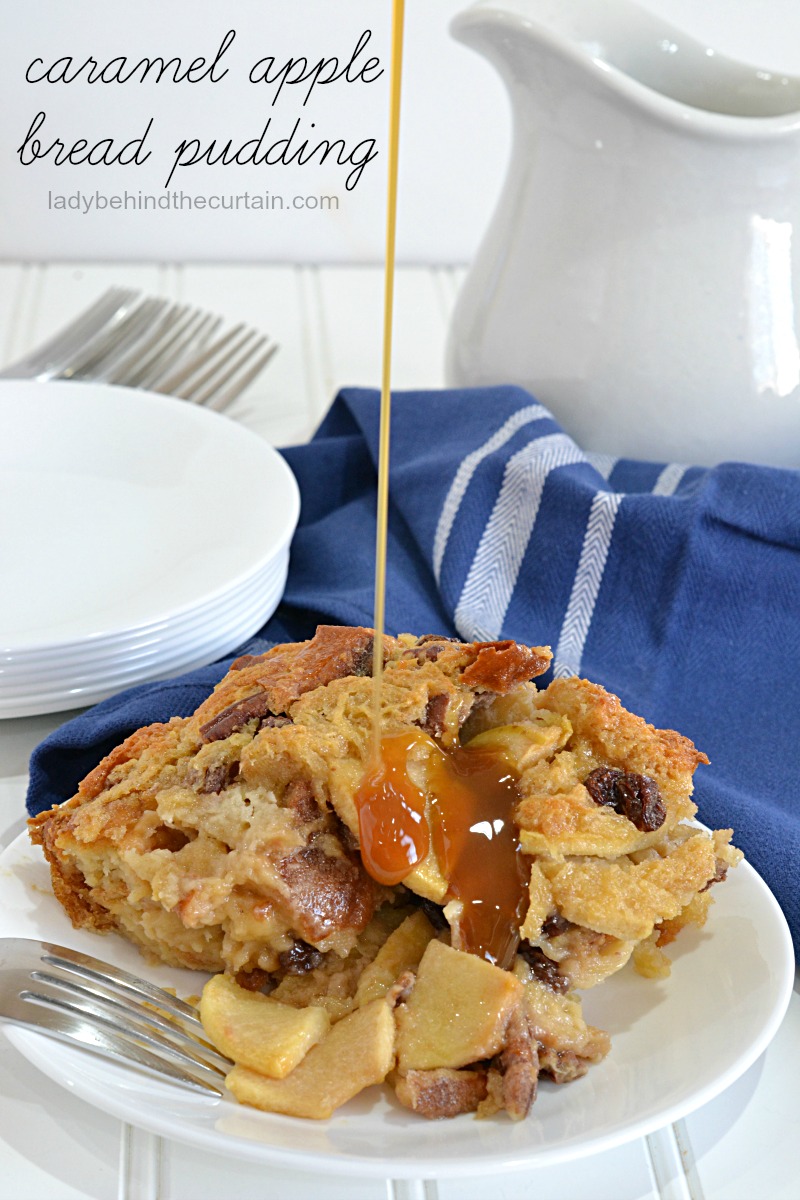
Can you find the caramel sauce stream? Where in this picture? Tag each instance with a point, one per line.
(398, 16)
(468, 811)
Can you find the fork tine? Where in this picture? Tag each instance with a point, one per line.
(113, 341)
(105, 973)
(200, 387)
(129, 1017)
(127, 368)
(170, 355)
(173, 381)
(39, 994)
(102, 1037)
(151, 343)
(223, 400)
(185, 1031)
(78, 998)
(111, 306)
(121, 353)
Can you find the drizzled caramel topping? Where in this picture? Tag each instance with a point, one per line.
(474, 796)
(394, 833)
(466, 811)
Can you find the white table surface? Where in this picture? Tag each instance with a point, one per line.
(742, 1146)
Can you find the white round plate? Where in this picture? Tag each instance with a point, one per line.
(55, 661)
(246, 612)
(222, 639)
(120, 509)
(676, 1044)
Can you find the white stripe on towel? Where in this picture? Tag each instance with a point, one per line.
(591, 565)
(586, 585)
(603, 463)
(524, 416)
(493, 575)
(669, 479)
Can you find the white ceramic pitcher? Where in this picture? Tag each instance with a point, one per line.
(641, 275)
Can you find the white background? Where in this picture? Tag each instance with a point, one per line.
(455, 134)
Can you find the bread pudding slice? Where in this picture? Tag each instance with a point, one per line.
(239, 840)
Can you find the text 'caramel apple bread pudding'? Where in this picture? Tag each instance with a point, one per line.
(425, 915)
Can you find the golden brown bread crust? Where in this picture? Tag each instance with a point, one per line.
(281, 675)
(619, 736)
(133, 746)
(69, 885)
(501, 666)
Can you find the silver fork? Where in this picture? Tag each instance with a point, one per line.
(131, 341)
(53, 356)
(88, 1003)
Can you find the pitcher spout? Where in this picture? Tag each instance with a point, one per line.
(627, 50)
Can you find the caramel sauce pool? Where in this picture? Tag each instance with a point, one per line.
(467, 818)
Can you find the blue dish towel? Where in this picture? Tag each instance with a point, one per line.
(676, 588)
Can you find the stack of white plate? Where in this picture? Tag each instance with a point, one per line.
(140, 537)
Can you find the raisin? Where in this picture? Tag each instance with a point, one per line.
(255, 980)
(430, 646)
(720, 873)
(601, 785)
(555, 924)
(432, 911)
(633, 796)
(545, 970)
(300, 958)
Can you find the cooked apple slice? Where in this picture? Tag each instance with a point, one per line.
(401, 951)
(457, 1012)
(356, 1053)
(257, 1031)
(525, 743)
(540, 904)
